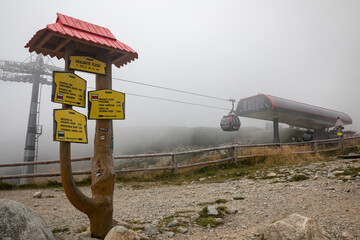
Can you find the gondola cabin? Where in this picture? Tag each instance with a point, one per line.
(230, 123)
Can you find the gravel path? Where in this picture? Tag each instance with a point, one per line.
(333, 203)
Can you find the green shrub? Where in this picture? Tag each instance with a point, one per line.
(238, 198)
(297, 178)
(219, 201)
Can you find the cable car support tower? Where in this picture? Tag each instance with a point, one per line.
(36, 72)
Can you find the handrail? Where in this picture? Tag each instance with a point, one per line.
(175, 165)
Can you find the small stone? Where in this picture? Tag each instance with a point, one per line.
(169, 234)
(172, 224)
(338, 172)
(143, 236)
(348, 177)
(182, 229)
(194, 217)
(122, 223)
(219, 220)
(54, 208)
(256, 236)
(212, 211)
(37, 195)
(271, 174)
(151, 230)
(232, 210)
(208, 227)
(36, 204)
(202, 179)
(120, 232)
(86, 234)
(346, 236)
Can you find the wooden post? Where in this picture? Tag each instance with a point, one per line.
(341, 144)
(174, 163)
(235, 154)
(229, 152)
(102, 170)
(315, 147)
(99, 208)
(75, 196)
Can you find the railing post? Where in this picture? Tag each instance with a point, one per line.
(174, 163)
(235, 154)
(341, 144)
(229, 153)
(315, 146)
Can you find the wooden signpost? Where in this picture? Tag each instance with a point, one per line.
(75, 41)
(68, 88)
(106, 104)
(87, 64)
(69, 126)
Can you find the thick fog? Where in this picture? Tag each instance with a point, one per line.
(305, 50)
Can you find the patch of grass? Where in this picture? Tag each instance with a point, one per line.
(298, 177)
(204, 212)
(277, 181)
(53, 184)
(81, 230)
(352, 171)
(222, 210)
(238, 198)
(137, 228)
(137, 222)
(218, 201)
(7, 186)
(206, 221)
(205, 203)
(50, 196)
(84, 182)
(221, 200)
(57, 230)
(48, 184)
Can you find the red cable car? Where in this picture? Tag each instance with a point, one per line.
(230, 122)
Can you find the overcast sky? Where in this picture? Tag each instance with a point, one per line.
(307, 50)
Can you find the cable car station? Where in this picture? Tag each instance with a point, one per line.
(276, 109)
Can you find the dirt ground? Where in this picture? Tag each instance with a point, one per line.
(331, 196)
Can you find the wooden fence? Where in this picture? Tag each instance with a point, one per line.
(233, 153)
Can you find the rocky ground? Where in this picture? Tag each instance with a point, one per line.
(330, 196)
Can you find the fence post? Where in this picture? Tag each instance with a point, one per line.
(228, 154)
(315, 147)
(235, 154)
(341, 144)
(174, 163)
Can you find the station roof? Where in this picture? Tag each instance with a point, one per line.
(267, 107)
(53, 39)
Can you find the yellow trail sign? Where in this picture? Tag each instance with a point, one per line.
(87, 64)
(69, 126)
(106, 104)
(68, 88)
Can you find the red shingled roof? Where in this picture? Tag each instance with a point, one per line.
(53, 39)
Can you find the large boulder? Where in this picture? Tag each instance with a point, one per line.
(20, 222)
(295, 227)
(121, 233)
